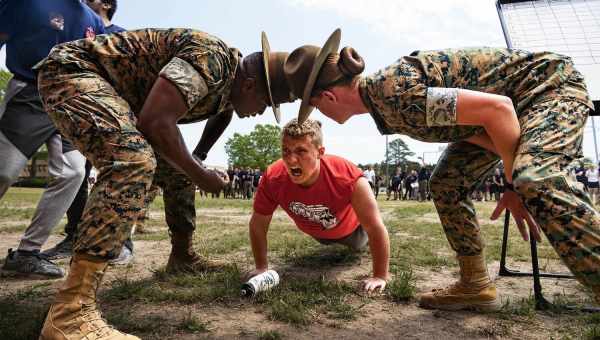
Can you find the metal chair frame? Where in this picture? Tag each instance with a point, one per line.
(540, 301)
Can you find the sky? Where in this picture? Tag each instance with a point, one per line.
(380, 30)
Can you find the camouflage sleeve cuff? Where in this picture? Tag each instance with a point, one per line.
(441, 106)
(189, 82)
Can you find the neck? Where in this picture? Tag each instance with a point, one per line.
(236, 85)
(355, 103)
(105, 20)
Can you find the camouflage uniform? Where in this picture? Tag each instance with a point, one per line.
(93, 90)
(416, 96)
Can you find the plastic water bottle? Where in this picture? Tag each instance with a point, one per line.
(260, 283)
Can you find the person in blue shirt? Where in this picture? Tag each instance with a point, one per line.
(29, 29)
(105, 9)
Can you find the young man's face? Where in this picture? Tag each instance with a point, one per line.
(95, 5)
(301, 158)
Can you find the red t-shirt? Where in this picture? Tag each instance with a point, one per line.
(322, 210)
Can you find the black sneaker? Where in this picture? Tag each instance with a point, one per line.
(30, 264)
(62, 250)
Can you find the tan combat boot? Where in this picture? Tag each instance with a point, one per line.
(474, 290)
(74, 315)
(183, 258)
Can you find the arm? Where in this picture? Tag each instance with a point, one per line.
(215, 126)
(258, 228)
(157, 121)
(497, 115)
(365, 206)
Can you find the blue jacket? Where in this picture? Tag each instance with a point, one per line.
(30, 28)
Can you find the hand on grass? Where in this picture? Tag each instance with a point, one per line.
(510, 200)
(374, 284)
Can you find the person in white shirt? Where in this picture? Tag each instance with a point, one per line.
(370, 176)
(592, 179)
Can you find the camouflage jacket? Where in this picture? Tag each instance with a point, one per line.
(201, 66)
(416, 96)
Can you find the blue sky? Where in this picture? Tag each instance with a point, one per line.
(380, 30)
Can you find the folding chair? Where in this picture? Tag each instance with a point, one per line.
(540, 301)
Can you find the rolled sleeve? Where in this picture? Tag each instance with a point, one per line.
(185, 77)
(441, 106)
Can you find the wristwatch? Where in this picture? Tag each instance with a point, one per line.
(201, 156)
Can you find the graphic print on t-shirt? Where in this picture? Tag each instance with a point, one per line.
(315, 213)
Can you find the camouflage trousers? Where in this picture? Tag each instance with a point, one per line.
(102, 126)
(550, 145)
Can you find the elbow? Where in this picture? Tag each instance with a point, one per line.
(503, 112)
(506, 107)
(149, 127)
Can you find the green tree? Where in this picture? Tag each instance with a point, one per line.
(257, 149)
(4, 78)
(398, 151)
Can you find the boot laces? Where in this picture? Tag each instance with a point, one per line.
(448, 290)
(98, 325)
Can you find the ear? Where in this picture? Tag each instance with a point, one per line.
(321, 151)
(329, 96)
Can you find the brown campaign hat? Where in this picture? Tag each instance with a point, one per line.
(302, 69)
(278, 89)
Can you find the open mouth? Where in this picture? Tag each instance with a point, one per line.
(296, 172)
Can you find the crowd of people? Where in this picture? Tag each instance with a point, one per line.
(242, 184)
(404, 184)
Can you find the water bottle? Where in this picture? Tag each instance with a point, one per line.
(260, 283)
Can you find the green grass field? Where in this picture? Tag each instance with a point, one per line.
(319, 295)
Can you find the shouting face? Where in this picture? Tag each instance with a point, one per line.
(302, 159)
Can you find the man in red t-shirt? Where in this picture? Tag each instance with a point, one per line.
(326, 196)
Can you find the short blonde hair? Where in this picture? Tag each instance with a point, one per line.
(310, 128)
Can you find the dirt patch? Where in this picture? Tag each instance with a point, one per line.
(377, 317)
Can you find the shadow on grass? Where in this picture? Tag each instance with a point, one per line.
(321, 257)
(22, 314)
(207, 287)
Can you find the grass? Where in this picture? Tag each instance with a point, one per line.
(181, 288)
(299, 302)
(22, 313)
(314, 290)
(403, 287)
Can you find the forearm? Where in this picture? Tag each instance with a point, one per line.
(258, 241)
(505, 134)
(379, 244)
(214, 128)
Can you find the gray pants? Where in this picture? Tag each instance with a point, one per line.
(356, 241)
(66, 174)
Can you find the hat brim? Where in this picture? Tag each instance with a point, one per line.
(266, 50)
(331, 45)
